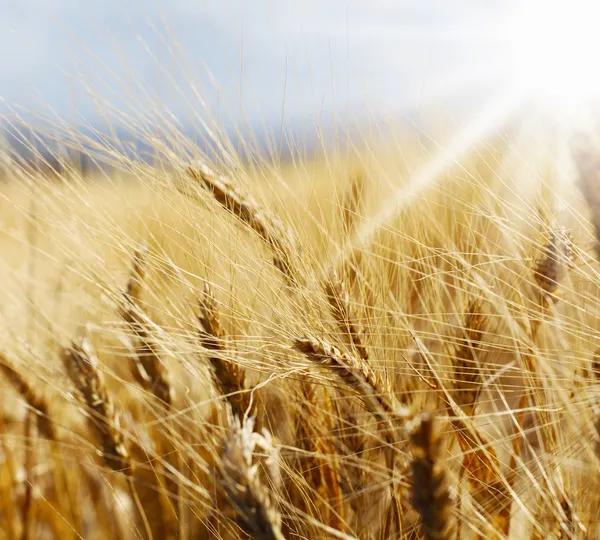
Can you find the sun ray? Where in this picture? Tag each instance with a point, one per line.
(486, 122)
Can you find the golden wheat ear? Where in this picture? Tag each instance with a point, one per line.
(273, 231)
(557, 260)
(467, 374)
(228, 376)
(82, 367)
(35, 399)
(430, 494)
(150, 371)
(358, 376)
(149, 368)
(249, 499)
(81, 364)
(339, 301)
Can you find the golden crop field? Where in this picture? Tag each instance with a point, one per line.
(317, 348)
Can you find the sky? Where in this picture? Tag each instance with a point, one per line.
(253, 61)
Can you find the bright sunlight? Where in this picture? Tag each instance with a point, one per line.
(555, 46)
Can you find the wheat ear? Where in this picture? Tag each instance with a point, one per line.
(81, 364)
(430, 494)
(358, 376)
(554, 265)
(549, 273)
(280, 238)
(339, 301)
(34, 399)
(150, 369)
(229, 377)
(82, 367)
(467, 375)
(238, 477)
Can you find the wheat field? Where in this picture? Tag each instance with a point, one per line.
(312, 348)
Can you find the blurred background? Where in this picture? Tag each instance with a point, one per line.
(262, 66)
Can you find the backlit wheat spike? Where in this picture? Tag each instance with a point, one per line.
(151, 370)
(229, 377)
(33, 398)
(249, 498)
(549, 274)
(556, 261)
(358, 375)
(339, 300)
(430, 494)
(82, 366)
(467, 374)
(154, 376)
(272, 230)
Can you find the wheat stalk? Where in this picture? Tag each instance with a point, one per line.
(557, 260)
(321, 472)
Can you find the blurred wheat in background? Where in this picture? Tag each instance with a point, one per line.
(396, 335)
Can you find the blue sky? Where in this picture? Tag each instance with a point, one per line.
(236, 57)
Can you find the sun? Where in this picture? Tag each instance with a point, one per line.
(555, 50)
